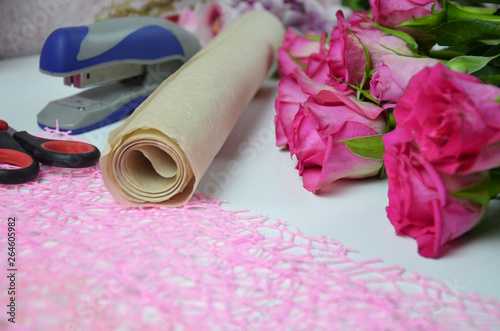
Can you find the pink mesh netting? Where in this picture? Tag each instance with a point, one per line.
(86, 262)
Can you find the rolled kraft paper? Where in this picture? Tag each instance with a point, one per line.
(159, 154)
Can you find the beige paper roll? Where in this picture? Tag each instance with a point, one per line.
(159, 154)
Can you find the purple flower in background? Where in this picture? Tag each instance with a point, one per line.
(207, 18)
(302, 15)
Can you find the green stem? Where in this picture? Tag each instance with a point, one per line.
(494, 182)
(392, 121)
(444, 54)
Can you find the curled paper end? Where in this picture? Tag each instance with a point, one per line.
(148, 167)
(159, 154)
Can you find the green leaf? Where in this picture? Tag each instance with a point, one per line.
(491, 42)
(427, 22)
(449, 53)
(473, 48)
(477, 193)
(367, 73)
(370, 147)
(486, 1)
(483, 191)
(490, 50)
(458, 32)
(469, 64)
(456, 11)
(356, 5)
(483, 49)
(366, 94)
(412, 43)
(489, 75)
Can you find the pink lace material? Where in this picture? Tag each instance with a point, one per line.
(86, 262)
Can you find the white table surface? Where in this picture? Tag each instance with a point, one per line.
(264, 180)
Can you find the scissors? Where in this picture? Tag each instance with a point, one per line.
(25, 151)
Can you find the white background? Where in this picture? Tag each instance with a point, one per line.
(250, 172)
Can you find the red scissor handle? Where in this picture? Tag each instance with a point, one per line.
(12, 153)
(59, 153)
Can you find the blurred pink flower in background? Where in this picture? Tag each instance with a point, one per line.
(209, 17)
(205, 19)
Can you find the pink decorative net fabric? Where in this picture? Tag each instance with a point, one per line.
(86, 262)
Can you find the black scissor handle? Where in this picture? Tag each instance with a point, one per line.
(12, 153)
(59, 153)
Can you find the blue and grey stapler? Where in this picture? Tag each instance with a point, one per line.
(126, 57)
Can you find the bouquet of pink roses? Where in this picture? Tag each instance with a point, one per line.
(403, 89)
(407, 90)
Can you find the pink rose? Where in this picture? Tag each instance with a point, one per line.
(318, 68)
(420, 204)
(322, 157)
(298, 47)
(343, 58)
(453, 118)
(393, 12)
(393, 75)
(290, 96)
(296, 88)
(315, 55)
(312, 118)
(348, 51)
(329, 62)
